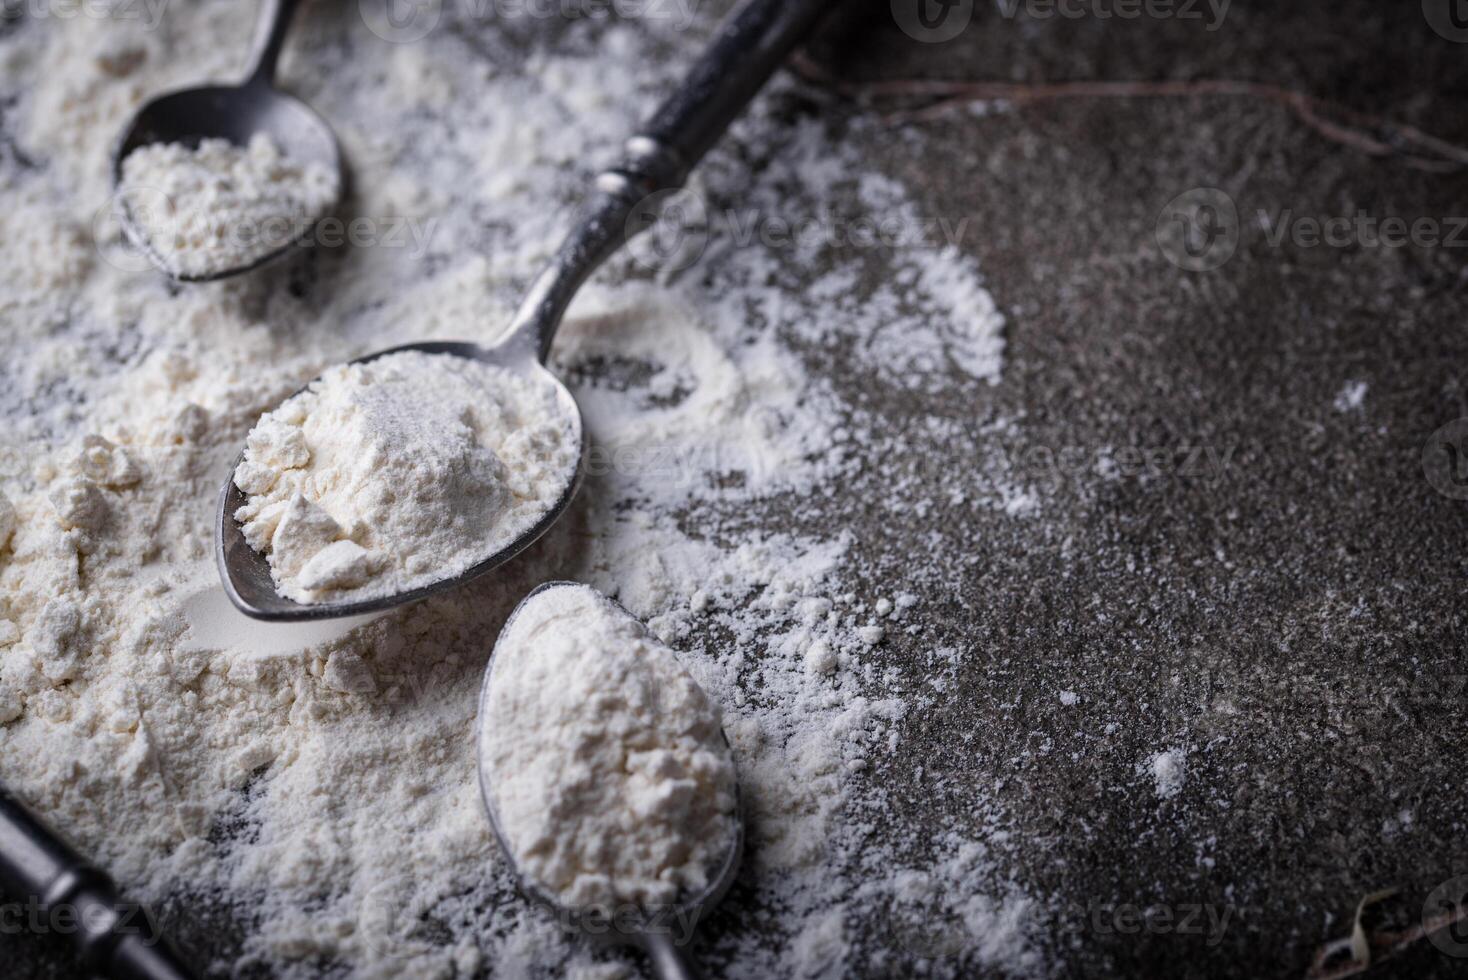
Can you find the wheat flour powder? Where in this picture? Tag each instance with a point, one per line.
(402, 471)
(316, 791)
(216, 206)
(603, 758)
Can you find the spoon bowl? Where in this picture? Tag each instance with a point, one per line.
(650, 930)
(245, 572)
(746, 49)
(233, 113)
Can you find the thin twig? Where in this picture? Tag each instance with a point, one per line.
(1355, 954)
(1370, 134)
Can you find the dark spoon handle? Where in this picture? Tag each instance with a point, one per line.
(116, 939)
(746, 49)
(274, 19)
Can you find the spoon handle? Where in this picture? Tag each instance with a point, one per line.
(746, 49)
(37, 869)
(668, 961)
(274, 18)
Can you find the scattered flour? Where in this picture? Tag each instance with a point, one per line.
(1351, 396)
(603, 758)
(1168, 770)
(400, 472)
(214, 207)
(949, 906)
(317, 791)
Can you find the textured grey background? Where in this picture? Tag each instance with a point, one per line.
(1288, 609)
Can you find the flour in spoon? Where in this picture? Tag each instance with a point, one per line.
(217, 207)
(394, 474)
(604, 758)
(309, 805)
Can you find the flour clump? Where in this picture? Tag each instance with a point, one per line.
(217, 207)
(604, 760)
(394, 474)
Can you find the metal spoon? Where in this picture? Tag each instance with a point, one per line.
(650, 931)
(234, 113)
(116, 939)
(744, 52)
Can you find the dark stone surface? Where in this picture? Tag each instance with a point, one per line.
(1275, 585)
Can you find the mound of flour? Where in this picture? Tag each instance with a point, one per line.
(215, 207)
(307, 801)
(386, 476)
(603, 758)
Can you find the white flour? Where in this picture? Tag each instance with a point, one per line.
(397, 473)
(217, 206)
(317, 791)
(1168, 770)
(604, 759)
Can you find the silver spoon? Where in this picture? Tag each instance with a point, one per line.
(744, 52)
(234, 113)
(652, 932)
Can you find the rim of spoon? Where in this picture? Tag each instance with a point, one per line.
(245, 572)
(701, 902)
(129, 140)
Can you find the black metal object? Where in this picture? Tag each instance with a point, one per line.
(234, 113)
(115, 938)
